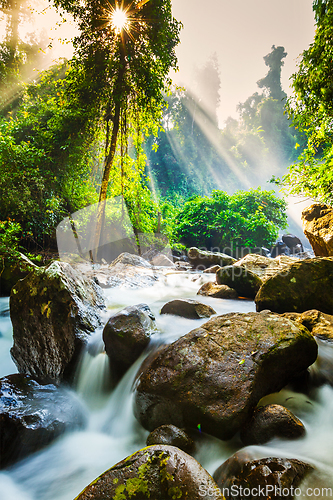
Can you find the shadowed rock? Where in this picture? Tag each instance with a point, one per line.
(172, 436)
(245, 282)
(217, 291)
(187, 308)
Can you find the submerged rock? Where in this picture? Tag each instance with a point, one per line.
(305, 284)
(155, 473)
(187, 308)
(217, 291)
(245, 282)
(172, 436)
(33, 415)
(126, 335)
(271, 421)
(201, 259)
(14, 266)
(276, 477)
(317, 222)
(53, 312)
(216, 374)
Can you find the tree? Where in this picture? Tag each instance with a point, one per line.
(122, 58)
(311, 109)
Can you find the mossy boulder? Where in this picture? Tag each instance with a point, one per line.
(154, 473)
(201, 259)
(318, 323)
(304, 285)
(126, 335)
(216, 374)
(33, 415)
(245, 282)
(317, 222)
(276, 477)
(271, 421)
(187, 308)
(53, 312)
(14, 266)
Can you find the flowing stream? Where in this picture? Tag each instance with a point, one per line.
(111, 433)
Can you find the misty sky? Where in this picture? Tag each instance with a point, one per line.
(241, 33)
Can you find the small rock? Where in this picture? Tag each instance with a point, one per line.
(245, 282)
(126, 335)
(187, 308)
(293, 243)
(173, 436)
(217, 291)
(155, 473)
(271, 421)
(212, 269)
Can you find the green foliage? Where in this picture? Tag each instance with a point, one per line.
(245, 219)
(9, 231)
(311, 108)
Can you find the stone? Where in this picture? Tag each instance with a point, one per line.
(293, 243)
(318, 323)
(14, 266)
(53, 311)
(126, 335)
(245, 282)
(280, 248)
(201, 259)
(131, 271)
(277, 477)
(33, 415)
(217, 291)
(172, 436)
(216, 374)
(156, 473)
(317, 222)
(265, 267)
(305, 284)
(212, 269)
(187, 308)
(271, 421)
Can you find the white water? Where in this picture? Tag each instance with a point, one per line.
(61, 470)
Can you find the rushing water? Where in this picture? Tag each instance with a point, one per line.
(61, 470)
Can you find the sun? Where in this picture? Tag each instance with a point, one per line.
(119, 20)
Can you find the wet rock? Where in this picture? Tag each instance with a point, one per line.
(304, 285)
(217, 291)
(131, 271)
(172, 436)
(126, 335)
(33, 415)
(201, 259)
(158, 473)
(276, 477)
(280, 248)
(318, 323)
(187, 308)
(14, 266)
(245, 282)
(216, 374)
(53, 312)
(271, 421)
(293, 243)
(212, 269)
(317, 222)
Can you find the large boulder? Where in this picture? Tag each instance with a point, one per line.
(14, 266)
(304, 285)
(271, 421)
(33, 415)
(265, 479)
(245, 282)
(318, 323)
(188, 308)
(126, 335)
(201, 259)
(265, 267)
(216, 374)
(131, 271)
(156, 473)
(53, 312)
(317, 222)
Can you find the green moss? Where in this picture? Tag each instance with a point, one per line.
(175, 492)
(119, 493)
